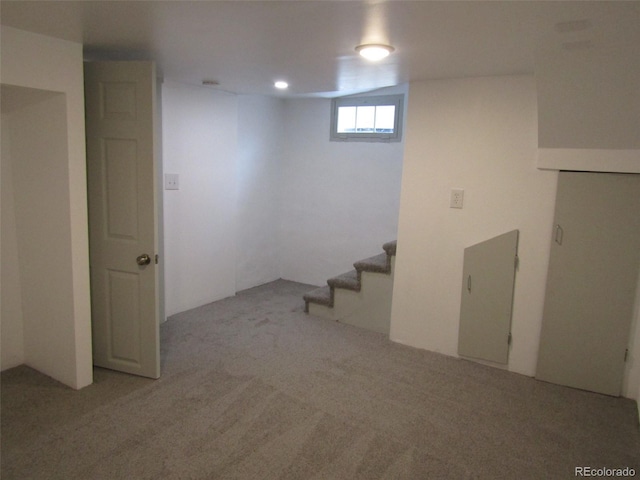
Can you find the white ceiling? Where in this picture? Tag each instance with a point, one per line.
(247, 45)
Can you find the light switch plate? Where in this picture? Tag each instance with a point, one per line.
(457, 198)
(171, 181)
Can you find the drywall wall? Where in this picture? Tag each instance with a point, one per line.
(588, 78)
(41, 198)
(589, 88)
(339, 201)
(199, 138)
(52, 65)
(261, 184)
(480, 135)
(260, 150)
(12, 330)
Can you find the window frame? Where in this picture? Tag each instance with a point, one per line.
(396, 100)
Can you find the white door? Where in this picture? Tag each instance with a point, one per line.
(120, 115)
(591, 283)
(488, 281)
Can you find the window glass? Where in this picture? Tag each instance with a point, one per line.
(367, 118)
(347, 119)
(385, 118)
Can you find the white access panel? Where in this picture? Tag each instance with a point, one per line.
(488, 281)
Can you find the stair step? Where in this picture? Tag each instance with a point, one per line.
(321, 296)
(348, 281)
(352, 280)
(378, 264)
(390, 247)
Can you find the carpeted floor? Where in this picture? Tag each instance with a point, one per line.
(252, 388)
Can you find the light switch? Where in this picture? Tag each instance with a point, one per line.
(457, 198)
(171, 181)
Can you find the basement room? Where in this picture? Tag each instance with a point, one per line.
(319, 239)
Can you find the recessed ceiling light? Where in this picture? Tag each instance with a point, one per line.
(374, 52)
(282, 85)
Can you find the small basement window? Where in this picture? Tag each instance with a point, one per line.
(367, 119)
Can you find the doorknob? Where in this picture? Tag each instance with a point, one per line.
(143, 259)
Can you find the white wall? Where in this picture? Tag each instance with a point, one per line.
(52, 65)
(199, 130)
(305, 208)
(260, 151)
(12, 331)
(589, 98)
(40, 177)
(478, 134)
(339, 200)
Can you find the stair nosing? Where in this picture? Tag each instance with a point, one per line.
(374, 264)
(347, 281)
(319, 300)
(390, 247)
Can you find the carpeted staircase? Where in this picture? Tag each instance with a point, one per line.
(360, 297)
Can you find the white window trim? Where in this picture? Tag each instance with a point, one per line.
(396, 136)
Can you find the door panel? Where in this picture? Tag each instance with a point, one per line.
(120, 108)
(591, 282)
(487, 298)
(120, 158)
(124, 310)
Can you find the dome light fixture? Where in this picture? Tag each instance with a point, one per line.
(374, 51)
(281, 85)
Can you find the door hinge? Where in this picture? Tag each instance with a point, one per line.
(559, 234)
(509, 339)
(156, 258)
(516, 262)
(626, 354)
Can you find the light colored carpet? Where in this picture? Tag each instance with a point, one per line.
(252, 388)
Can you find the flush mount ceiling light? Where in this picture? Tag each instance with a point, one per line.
(282, 85)
(374, 52)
